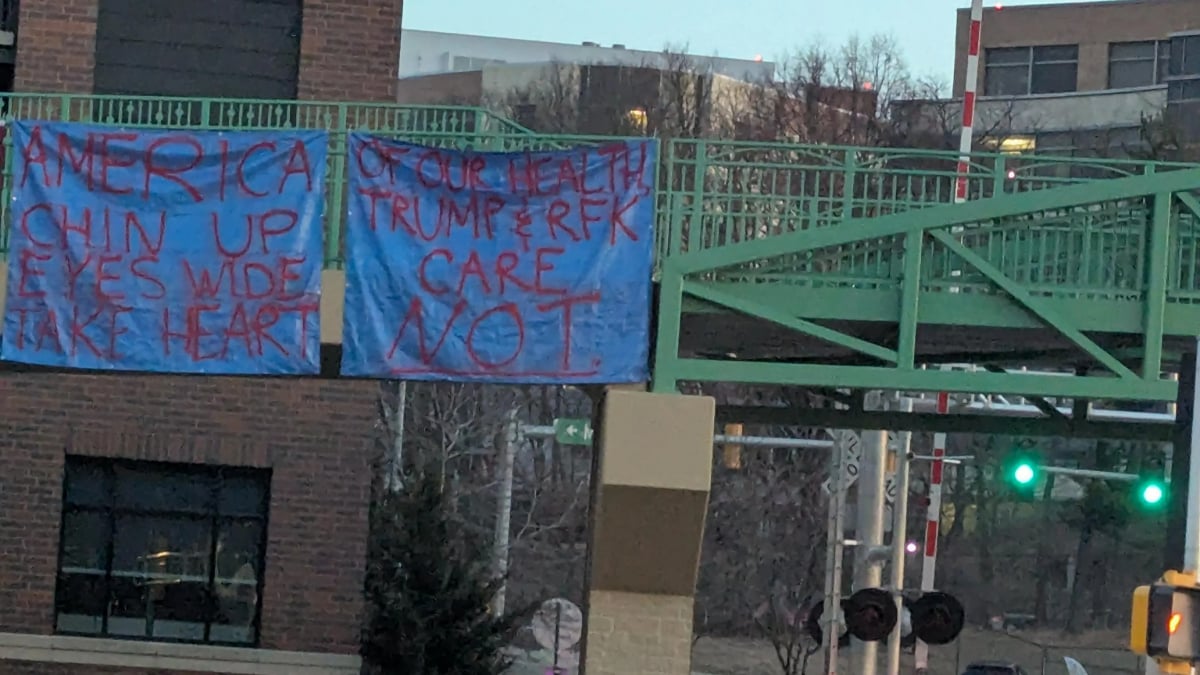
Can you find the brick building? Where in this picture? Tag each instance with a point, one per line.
(1080, 78)
(307, 49)
(188, 524)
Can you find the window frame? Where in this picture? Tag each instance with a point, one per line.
(1030, 63)
(210, 514)
(1161, 61)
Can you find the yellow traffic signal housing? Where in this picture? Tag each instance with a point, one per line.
(1166, 619)
(732, 452)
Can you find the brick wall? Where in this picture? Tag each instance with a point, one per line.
(350, 51)
(56, 46)
(639, 633)
(314, 434)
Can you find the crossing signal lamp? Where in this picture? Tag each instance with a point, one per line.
(870, 616)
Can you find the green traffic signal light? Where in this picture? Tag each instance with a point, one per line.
(1024, 473)
(1152, 493)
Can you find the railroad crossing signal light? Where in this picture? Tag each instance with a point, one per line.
(870, 616)
(937, 618)
(1166, 619)
(812, 626)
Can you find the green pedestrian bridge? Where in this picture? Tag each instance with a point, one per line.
(837, 267)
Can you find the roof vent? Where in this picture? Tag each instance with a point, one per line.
(588, 43)
(618, 46)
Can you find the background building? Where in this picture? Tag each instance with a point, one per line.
(307, 49)
(1080, 78)
(432, 53)
(188, 524)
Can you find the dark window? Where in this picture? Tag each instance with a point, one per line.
(162, 552)
(1185, 56)
(1137, 64)
(1018, 71)
(215, 48)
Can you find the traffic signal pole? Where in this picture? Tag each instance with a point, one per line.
(1191, 545)
(899, 539)
(868, 531)
(1184, 465)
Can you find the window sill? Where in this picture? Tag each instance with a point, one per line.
(167, 656)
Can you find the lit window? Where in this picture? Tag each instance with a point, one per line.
(155, 551)
(637, 117)
(1012, 145)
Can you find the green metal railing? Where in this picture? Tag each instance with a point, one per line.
(716, 193)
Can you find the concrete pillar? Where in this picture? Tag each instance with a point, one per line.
(654, 471)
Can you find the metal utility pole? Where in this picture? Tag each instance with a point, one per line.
(899, 538)
(1191, 546)
(504, 495)
(868, 532)
(834, 553)
(394, 480)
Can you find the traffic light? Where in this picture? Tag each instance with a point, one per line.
(1024, 473)
(1021, 469)
(1166, 619)
(1152, 492)
(731, 453)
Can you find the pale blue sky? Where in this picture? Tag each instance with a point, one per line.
(732, 28)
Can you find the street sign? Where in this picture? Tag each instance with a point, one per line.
(851, 456)
(850, 462)
(571, 431)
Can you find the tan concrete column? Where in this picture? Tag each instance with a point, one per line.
(651, 486)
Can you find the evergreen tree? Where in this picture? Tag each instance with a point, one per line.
(428, 591)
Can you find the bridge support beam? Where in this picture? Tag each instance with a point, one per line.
(651, 483)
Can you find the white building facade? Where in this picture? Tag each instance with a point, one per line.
(433, 53)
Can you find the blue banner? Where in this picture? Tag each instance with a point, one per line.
(499, 267)
(165, 251)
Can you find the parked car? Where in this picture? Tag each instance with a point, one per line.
(994, 668)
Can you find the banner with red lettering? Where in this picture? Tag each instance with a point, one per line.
(499, 267)
(165, 251)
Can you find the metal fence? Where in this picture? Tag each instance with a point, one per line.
(712, 193)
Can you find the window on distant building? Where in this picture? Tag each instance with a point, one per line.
(1018, 71)
(156, 551)
(1137, 64)
(1184, 69)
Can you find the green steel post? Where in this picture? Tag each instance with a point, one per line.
(999, 174)
(339, 139)
(696, 221)
(1157, 270)
(849, 176)
(910, 296)
(665, 377)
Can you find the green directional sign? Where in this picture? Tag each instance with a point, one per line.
(570, 431)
